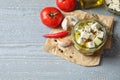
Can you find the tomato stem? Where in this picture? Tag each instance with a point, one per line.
(52, 14)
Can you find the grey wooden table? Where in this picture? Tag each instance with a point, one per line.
(21, 47)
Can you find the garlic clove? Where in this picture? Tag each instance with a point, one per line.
(64, 42)
(74, 20)
(64, 23)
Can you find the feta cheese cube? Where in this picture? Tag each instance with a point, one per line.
(80, 40)
(118, 9)
(87, 28)
(108, 1)
(114, 6)
(116, 1)
(92, 36)
(85, 35)
(89, 24)
(97, 41)
(81, 30)
(91, 44)
(100, 34)
(94, 27)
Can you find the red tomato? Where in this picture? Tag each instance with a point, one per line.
(51, 17)
(66, 5)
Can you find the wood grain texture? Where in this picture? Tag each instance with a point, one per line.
(21, 47)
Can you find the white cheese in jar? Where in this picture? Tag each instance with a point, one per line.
(100, 34)
(85, 35)
(108, 1)
(91, 44)
(90, 35)
(115, 1)
(97, 41)
(87, 28)
(94, 27)
(80, 40)
(113, 4)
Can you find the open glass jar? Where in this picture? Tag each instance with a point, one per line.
(113, 6)
(89, 36)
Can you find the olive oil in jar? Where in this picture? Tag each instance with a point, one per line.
(90, 3)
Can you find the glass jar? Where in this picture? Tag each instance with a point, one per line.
(83, 47)
(113, 6)
(90, 3)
